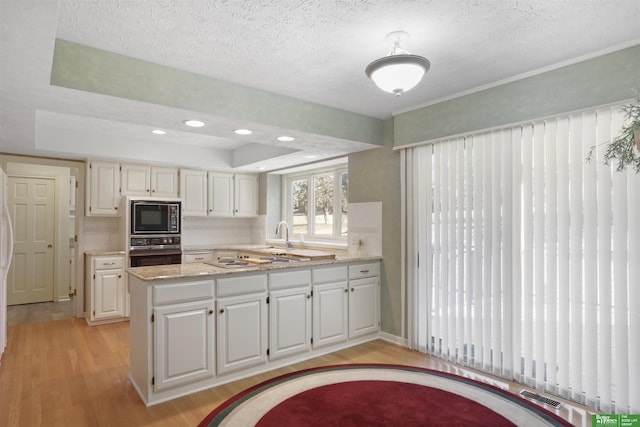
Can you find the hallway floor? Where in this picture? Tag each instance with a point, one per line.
(39, 312)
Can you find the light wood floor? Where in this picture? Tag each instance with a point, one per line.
(65, 373)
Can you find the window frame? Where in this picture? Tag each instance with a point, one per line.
(337, 172)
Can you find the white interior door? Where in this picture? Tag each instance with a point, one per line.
(31, 206)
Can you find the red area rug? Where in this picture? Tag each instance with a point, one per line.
(377, 395)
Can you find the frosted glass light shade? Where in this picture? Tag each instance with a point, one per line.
(398, 73)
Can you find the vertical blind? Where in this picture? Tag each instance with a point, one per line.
(523, 260)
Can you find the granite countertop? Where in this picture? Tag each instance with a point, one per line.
(178, 271)
(98, 252)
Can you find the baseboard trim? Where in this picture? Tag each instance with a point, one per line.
(394, 339)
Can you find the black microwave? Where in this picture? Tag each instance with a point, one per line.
(155, 217)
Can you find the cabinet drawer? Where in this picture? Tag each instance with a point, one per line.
(289, 279)
(198, 257)
(364, 270)
(241, 285)
(182, 292)
(329, 275)
(108, 263)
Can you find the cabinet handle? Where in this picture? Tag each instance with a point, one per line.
(116, 208)
(364, 271)
(308, 296)
(108, 263)
(198, 258)
(119, 276)
(210, 312)
(346, 291)
(221, 310)
(352, 289)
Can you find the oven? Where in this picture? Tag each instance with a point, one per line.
(154, 250)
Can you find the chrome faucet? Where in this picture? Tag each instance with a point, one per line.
(286, 228)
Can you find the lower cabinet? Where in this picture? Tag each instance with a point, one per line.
(289, 313)
(183, 343)
(189, 334)
(330, 306)
(363, 299)
(241, 322)
(106, 285)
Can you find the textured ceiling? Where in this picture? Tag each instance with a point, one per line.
(313, 50)
(317, 49)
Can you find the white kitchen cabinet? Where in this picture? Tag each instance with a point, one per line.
(232, 195)
(103, 198)
(241, 311)
(135, 180)
(144, 180)
(289, 313)
(363, 299)
(245, 195)
(220, 191)
(183, 343)
(107, 288)
(164, 182)
(193, 192)
(330, 305)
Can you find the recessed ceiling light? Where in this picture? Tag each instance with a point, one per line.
(285, 138)
(311, 156)
(158, 132)
(194, 123)
(243, 131)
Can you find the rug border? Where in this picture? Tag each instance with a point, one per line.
(228, 405)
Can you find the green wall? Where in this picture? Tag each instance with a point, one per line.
(374, 175)
(602, 80)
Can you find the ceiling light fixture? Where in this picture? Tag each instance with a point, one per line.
(285, 138)
(158, 132)
(399, 71)
(243, 131)
(194, 123)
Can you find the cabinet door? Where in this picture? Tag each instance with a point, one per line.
(330, 308)
(104, 189)
(183, 340)
(220, 190)
(289, 322)
(109, 294)
(245, 195)
(363, 307)
(135, 180)
(164, 182)
(193, 192)
(242, 332)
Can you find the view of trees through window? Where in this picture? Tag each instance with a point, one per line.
(318, 203)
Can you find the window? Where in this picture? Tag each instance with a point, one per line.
(316, 203)
(528, 257)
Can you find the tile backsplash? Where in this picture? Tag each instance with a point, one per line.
(365, 229)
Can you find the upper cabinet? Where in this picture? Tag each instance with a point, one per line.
(143, 180)
(245, 195)
(203, 193)
(136, 180)
(232, 195)
(193, 191)
(220, 193)
(103, 188)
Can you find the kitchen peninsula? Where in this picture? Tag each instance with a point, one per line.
(195, 326)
